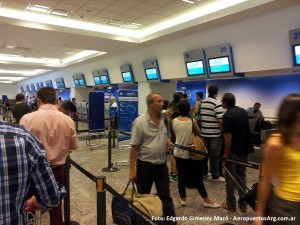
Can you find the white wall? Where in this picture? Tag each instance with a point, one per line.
(259, 43)
(10, 90)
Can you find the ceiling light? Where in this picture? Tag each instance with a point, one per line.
(189, 1)
(132, 25)
(24, 72)
(38, 8)
(60, 12)
(81, 55)
(9, 46)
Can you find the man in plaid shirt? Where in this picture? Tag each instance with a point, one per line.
(23, 168)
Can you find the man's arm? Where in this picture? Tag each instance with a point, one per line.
(227, 145)
(133, 152)
(44, 187)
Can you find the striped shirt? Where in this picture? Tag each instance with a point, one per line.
(211, 111)
(23, 167)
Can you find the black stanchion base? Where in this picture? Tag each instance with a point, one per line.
(109, 169)
(72, 223)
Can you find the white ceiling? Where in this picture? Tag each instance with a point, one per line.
(33, 37)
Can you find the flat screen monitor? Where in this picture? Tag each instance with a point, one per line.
(297, 55)
(127, 77)
(151, 74)
(97, 80)
(49, 83)
(195, 68)
(82, 82)
(41, 84)
(219, 65)
(60, 85)
(32, 87)
(104, 79)
(76, 82)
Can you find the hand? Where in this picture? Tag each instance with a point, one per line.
(132, 175)
(32, 202)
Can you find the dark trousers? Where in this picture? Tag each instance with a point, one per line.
(190, 174)
(147, 173)
(56, 215)
(237, 171)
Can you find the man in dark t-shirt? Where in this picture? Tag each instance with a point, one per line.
(238, 145)
(20, 108)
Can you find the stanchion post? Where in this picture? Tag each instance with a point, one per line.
(76, 120)
(67, 186)
(67, 208)
(101, 200)
(114, 131)
(109, 167)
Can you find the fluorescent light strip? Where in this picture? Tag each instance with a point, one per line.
(188, 1)
(198, 12)
(29, 60)
(11, 78)
(193, 14)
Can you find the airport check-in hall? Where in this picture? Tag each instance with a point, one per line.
(150, 112)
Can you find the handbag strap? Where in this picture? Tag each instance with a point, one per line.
(193, 128)
(233, 178)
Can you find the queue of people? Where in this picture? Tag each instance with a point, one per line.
(32, 172)
(151, 140)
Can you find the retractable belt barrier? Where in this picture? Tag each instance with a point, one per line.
(252, 165)
(101, 187)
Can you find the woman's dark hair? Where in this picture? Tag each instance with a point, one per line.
(199, 94)
(288, 115)
(184, 108)
(47, 95)
(177, 96)
(166, 104)
(229, 99)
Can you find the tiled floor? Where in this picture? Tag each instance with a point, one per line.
(83, 190)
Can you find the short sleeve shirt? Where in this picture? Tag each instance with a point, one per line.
(151, 141)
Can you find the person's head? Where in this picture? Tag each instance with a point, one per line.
(59, 98)
(199, 95)
(73, 99)
(228, 101)
(112, 99)
(184, 97)
(184, 108)
(213, 90)
(289, 117)
(256, 106)
(20, 97)
(46, 95)
(166, 104)
(177, 96)
(67, 107)
(155, 102)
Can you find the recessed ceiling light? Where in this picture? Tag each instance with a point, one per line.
(131, 25)
(60, 12)
(189, 1)
(9, 46)
(38, 8)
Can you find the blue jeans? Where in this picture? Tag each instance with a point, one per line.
(213, 146)
(239, 173)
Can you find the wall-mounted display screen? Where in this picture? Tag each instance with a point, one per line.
(97, 80)
(76, 82)
(151, 74)
(219, 65)
(297, 55)
(195, 68)
(60, 85)
(41, 84)
(104, 79)
(49, 83)
(82, 82)
(32, 87)
(127, 76)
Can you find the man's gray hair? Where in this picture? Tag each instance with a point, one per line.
(149, 98)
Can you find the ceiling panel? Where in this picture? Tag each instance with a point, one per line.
(128, 3)
(96, 4)
(75, 2)
(147, 7)
(68, 7)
